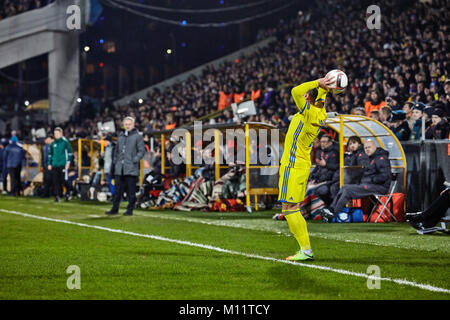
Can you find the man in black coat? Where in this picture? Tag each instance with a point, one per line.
(400, 126)
(129, 150)
(439, 126)
(354, 156)
(376, 179)
(327, 163)
(47, 174)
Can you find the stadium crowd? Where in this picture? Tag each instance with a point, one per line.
(10, 8)
(398, 74)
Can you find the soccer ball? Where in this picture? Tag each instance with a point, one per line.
(340, 80)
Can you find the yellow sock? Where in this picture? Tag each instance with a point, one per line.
(297, 225)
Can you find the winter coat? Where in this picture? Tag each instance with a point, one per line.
(403, 132)
(331, 157)
(357, 158)
(128, 152)
(439, 131)
(44, 156)
(378, 170)
(13, 155)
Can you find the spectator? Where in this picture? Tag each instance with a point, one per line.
(417, 115)
(386, 115)
(399, 126)
(375, 115)
(327, 164)
(407, 108)
(59, 158)
(376, 179)
(327, 161)
(170, 122)
(46, 173)
(13, 157)
(439, 128)
(128, 152)
(374, 103)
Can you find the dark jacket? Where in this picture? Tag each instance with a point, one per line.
(13, 155)
(331, 157)
(357, 158)
(44, 156)
(378, 170)
(128, 152)
(1, 157)
(403, 132)
(439, 131)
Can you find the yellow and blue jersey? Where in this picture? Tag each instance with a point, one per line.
(304, 127)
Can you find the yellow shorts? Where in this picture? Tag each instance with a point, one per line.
(292, 184)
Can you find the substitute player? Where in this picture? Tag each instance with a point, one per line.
(296, 160)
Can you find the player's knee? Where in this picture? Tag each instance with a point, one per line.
(289, 206)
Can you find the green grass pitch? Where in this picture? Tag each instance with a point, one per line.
(207, 255)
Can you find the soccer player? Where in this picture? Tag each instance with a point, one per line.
(296, 160)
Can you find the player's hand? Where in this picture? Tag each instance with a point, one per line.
(325, 82)
(49, 167)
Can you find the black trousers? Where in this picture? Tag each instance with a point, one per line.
(58, 180)
(437, 210)
(124, 183)
(355, 191)
(47, 181)
(323, 192)
(14, 176)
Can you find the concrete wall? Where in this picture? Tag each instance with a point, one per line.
(44, 31)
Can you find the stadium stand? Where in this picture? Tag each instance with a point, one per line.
(396, 69)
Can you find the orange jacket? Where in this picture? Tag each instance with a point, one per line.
(225, 100)
(239, 97)
(370, 107)
(256, 94)
(170, 126)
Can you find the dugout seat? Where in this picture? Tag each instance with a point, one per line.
(376, 201)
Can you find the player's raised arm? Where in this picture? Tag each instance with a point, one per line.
(305, 92)
(299, 92)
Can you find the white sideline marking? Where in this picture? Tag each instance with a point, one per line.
(248, 255)
(227, 223)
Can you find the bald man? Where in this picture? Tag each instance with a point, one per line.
(376, 179)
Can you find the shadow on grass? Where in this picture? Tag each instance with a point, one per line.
(299, 281)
